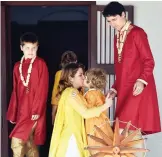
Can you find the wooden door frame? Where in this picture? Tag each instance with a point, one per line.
(4, 125)
(6, 51)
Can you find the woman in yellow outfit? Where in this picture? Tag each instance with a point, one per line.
(69, 137)
(66, 58)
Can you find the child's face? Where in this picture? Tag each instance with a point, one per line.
(78, 79)
(29, 49)
(86, 82)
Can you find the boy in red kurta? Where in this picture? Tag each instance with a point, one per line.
(27, 108)
(134, 85)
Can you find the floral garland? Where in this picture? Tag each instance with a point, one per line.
(25, 83)
(121, 39)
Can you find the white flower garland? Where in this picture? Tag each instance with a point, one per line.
(121, 40)
(29, 71)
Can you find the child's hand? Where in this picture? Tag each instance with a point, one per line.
(35, 117)
(111, 94)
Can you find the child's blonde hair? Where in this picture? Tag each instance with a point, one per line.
(96, 77)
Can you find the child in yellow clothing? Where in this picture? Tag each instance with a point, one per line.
(66, 58)
(95, 81)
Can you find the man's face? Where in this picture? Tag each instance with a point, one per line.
(29, 49)
(116, 21)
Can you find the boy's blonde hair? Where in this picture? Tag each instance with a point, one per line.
(96, 77)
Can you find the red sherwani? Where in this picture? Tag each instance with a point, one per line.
(23, 105)
(137, 63)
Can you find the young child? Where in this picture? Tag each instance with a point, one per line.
(66, 58)
(27, 107)
(95, 81)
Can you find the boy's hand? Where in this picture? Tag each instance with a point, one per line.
(35, 117)
(12, 122)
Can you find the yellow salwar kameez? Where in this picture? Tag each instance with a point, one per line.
(54, 100)
(96, 98)
(69, 137)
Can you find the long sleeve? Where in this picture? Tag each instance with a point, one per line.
(146, 57)
(41, 91)
(12, 109)
(94, 98)
(91, 100)
(54, 100)
(79, 106)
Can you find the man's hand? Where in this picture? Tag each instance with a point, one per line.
(111, 94)
(35, 117)
(138, 88)
(12, 122)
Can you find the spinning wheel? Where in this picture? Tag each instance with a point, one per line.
(117, 145)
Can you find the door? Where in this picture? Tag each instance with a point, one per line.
(4, 126)
(102, 50)
(6, 77)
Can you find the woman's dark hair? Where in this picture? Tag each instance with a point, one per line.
(68, 71)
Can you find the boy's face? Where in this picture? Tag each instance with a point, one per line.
(29, 49)
(86, 83)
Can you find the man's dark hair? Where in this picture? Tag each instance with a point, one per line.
(28, 37)
(113, 8)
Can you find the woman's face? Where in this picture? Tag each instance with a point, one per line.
(78, 80)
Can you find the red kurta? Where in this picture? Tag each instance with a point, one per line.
(23, 105)
(137, 63)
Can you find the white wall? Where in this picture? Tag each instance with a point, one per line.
(148, 16)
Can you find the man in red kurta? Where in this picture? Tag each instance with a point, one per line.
(134, 86)
(27, 108)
